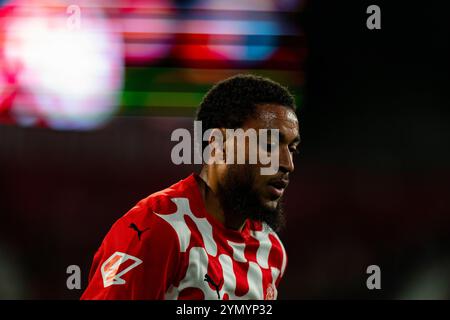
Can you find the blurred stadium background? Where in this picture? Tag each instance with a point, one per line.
(87, 109)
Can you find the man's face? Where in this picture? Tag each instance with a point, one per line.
(244, 189)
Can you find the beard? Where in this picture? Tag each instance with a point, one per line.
(238, 197)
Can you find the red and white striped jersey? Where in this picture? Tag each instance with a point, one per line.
(169, 247)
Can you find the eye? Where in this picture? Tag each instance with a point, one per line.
(294, 151)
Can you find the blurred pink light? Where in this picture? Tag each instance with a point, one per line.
(237, 5)
(148, 31)
(139, 33)
(67, 78)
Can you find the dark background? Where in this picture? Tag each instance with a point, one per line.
(370, 187)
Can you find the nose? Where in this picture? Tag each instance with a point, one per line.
(286, 161)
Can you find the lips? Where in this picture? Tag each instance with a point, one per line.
(276, 187)
(279, 184)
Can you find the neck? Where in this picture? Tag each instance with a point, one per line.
(208, 184)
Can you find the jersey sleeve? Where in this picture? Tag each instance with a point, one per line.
(137, 260)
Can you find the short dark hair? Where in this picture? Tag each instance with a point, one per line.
(229, 103)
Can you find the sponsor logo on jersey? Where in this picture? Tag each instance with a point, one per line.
(116, 266)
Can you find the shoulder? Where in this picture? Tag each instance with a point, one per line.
(157, 219)
(161, 203)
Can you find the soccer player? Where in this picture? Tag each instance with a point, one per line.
(211, 235)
